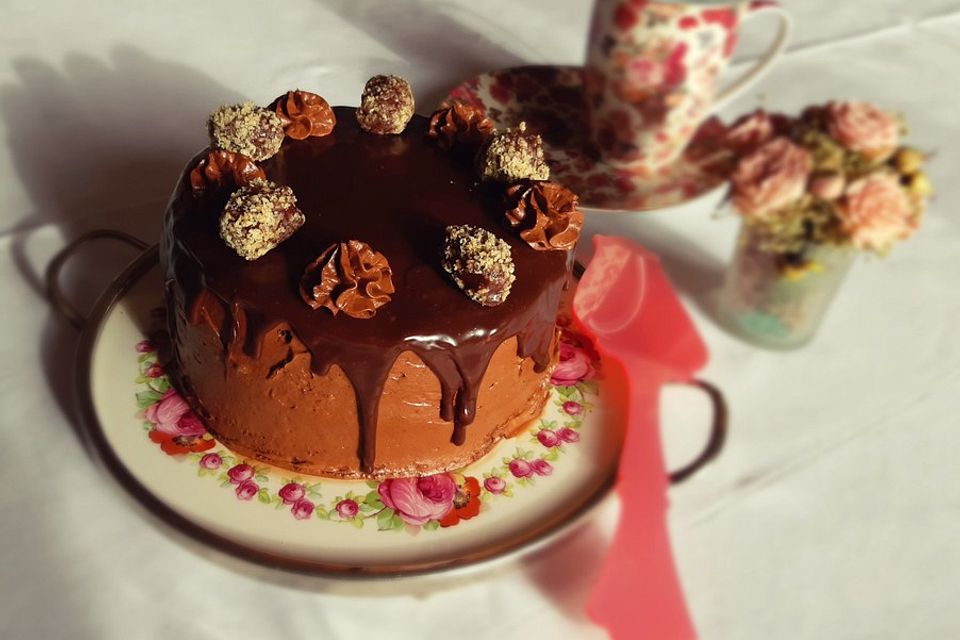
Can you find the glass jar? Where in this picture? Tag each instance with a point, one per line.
(778, 301)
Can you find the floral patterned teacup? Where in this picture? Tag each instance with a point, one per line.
(651, 72)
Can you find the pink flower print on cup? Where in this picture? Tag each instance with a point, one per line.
(495, 485)
(302, 509)
(573, 366)
(657, 63)
(572, 408)
(291, 492)
(541, 467)
(548, 438)
(644, 73)
(347, 509)
(419, 500)
(211, 461)
(239, 473)
(247, 489)
(172, 415)
(568, 435)
(625, 17)
(520, 468)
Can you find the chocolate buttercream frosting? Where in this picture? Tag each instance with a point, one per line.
(398, 193)
(304, 114)
(460, 124)
(349, 277)
(223, 171)
(546, 214)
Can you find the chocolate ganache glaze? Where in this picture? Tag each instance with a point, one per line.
(398, 194)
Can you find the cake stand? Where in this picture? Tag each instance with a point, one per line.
(527, 492)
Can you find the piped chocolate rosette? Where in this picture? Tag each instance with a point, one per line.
(365, 292)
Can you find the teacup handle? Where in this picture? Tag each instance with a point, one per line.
(753, 8)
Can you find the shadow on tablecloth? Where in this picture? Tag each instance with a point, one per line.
(96, 142)
(99, 144)
(441, 49)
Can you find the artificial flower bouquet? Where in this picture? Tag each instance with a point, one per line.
(812, 192)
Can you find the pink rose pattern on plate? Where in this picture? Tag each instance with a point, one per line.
(419, 500)
(171, 414)
(398, 504)
(167, 417)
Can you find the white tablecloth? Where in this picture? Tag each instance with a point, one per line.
(833, 513)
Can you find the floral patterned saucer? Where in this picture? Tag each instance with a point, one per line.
(528, 489)
(549, 99)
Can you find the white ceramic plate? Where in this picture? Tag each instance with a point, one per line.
(529, 489)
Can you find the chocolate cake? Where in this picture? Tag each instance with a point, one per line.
(360, 302)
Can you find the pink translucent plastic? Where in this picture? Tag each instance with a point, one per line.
(626, 303)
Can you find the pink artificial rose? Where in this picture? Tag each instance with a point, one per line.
(770, 178)
(574, 365)
(153, 371)
(572, 408)
(520, 468)
(172, 415)
(240, 473)
(862, 127)
(419, 500)
(876, 212)
(291, 492)
(495, 484)
(569, 435)
(211, 461)
(541, 467)
(247, 489)
(548, 438)
(749, 132)
(828, 186)
(302, 509)
(347, 509)
(145, 346)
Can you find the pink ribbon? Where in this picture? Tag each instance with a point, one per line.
(625, 302)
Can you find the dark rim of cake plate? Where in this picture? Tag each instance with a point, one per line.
(92, 432)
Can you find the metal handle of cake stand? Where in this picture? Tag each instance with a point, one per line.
(55, 294)
(718, 433)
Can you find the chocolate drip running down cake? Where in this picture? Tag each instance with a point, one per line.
(360, 301)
